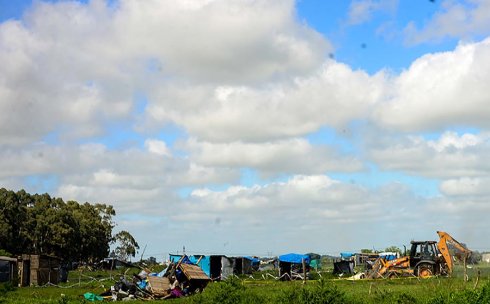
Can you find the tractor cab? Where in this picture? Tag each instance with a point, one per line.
(423, 251)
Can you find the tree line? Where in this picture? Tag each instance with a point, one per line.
(41, 224)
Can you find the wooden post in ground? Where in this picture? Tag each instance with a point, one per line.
(303, 263)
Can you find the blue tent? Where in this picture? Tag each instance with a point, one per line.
(294, 258)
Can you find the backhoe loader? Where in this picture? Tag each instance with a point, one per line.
(426, 258)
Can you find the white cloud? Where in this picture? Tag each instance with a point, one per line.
(449, 140)
(466, 186)
(272, 158)
(73, 67)
(279, 110)
(304, 208)
(457, 19)
(158, 147)
(200, 41)
(440, 90)
(450, 156)
(362, 11)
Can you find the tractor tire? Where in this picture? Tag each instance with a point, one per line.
(391, 275)
(425, 270)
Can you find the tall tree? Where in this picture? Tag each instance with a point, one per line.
(126, 245)
(13, 214)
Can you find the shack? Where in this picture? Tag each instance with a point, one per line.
(216, 267)
(315, 260)
(343, 267)
(38, 270)
(245, 265)
(291, 265)
(187, 273)
(8, 269)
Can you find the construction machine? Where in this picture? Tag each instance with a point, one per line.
(426, 258)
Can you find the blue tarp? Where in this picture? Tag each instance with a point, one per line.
(255, 261)
(294, 258)
(346, 255)
(388, 256)
(204, 263)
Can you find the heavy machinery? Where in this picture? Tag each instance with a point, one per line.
(426, 258)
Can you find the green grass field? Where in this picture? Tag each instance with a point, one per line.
(328, 289)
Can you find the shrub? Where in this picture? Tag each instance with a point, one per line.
(322, 293)
(466, 296)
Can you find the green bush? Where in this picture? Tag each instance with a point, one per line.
(322, 293)
(466, 296)
(227, 292)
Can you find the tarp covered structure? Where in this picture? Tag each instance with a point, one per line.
(291, 265)
(294, 258)
(215, 266)
(245, 265)
(315, 260)
(347, 255)
(343, 267)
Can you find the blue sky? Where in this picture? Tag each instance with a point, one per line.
(253, 124)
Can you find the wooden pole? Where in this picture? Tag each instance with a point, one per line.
(303, 263)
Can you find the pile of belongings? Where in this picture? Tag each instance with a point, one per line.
(177, 280)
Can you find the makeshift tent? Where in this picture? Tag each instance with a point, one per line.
(245, 265)
(226, 267)
(214, 266)
(343, 267)
(294, 258)
(347, 255)
(8, 269)
(315, 260)
(187, 273)
(291, 265)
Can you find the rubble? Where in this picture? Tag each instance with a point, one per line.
(177, 280)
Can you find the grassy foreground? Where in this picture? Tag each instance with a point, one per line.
(247, 290)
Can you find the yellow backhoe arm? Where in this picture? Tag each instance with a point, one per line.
(444, 239)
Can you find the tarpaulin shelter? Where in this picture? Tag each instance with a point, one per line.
(343, 267)
(215, 267)
(294, 258)
(8, 269)
(291, 264)
(245, 265)
(347, 255)
(226, 267)
(184, 270)
(315, 260)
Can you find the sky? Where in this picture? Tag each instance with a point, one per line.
(254, 127)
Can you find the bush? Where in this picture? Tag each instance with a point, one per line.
(466, 296)
(322, 293)
(227, 292)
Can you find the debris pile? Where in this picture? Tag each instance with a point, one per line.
(177, 280)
